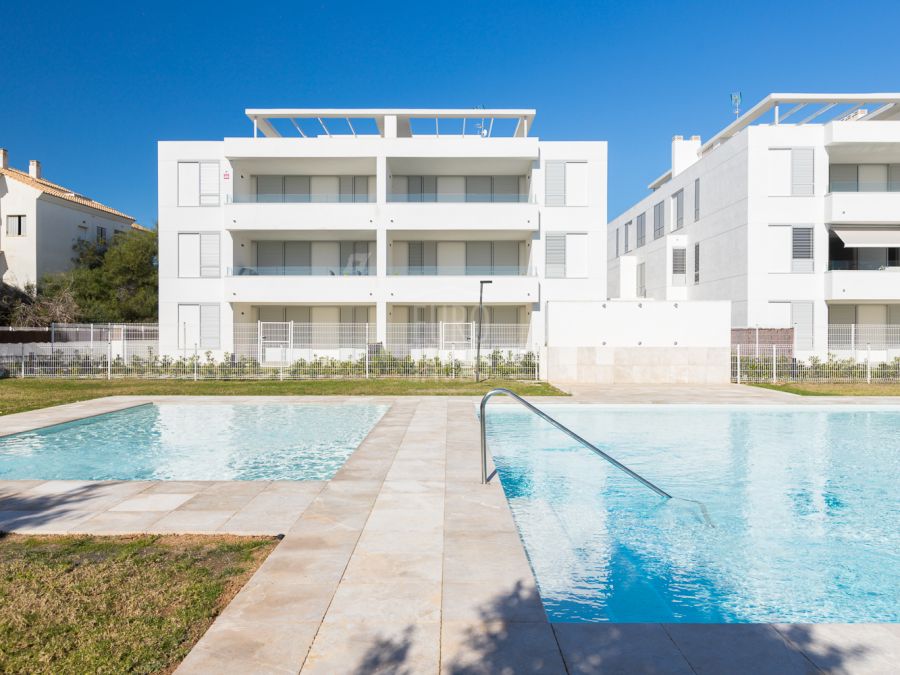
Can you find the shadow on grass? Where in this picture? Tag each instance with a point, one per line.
(509, 634)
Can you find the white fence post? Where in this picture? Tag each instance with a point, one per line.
(774, 364)
(738, 364)
(108, 357)
(853, 339)
(196, 361)
(367, 350)
(868, 363)
(23, 359)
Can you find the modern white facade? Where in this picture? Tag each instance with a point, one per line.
(792, 213)
(383, 220)
(41, 222)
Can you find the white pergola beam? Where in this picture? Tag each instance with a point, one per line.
(820, 111)
(322, 122)
(297, 127)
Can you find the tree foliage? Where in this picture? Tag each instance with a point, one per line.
(114, 282)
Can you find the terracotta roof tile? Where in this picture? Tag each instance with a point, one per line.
(59, 191)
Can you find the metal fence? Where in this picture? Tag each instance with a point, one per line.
(776, 363)
(280, 350)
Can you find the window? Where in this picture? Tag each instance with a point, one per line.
(555, 256)
(641, 280)
(641, 230)
(696, 199)
(198, 326)
(198, 255)
(678, 210)
(198, 183)
(801, 249)
(697, 263)
(101, 234)
(577, 255)
(15, 226)
(617, 242)
(626, 243)
(82, 233)
(802, 322)
(659, 220)
(679, 266)
(802, 172)
(565, 183)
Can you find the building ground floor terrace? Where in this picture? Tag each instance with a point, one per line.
(405, 562)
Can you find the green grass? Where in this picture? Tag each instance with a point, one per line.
(114, 604)
(836, 389)
(18, 395)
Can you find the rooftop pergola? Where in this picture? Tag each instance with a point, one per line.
(802, 109)
(313, 122)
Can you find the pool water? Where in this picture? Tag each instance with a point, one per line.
(803, 504)
(267, 441)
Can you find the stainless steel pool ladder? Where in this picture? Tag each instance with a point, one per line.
(544, 416)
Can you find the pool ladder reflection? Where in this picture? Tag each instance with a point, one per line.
(571, 434)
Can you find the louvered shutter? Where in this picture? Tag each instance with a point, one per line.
(556, 256)
(802, 171)
(802, 321)
(696, 263)
(209, 183)
(209, 326)
(802, 249)
(555, 184)
(209, 254)
(679, 266)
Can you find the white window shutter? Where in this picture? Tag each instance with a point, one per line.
(209, 326)
(555, 253)
(209, 254)
(188, 184)
(209, 183)
(779, 172)
(188, 326)
(577, 256)
(802, 321)
(576, 184)
(555, 183)
(802, 171)
(802, 254)
(188, 255)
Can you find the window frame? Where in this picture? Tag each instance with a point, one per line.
(21, 225)
(640, 230)
(659, 220)
(678, 210)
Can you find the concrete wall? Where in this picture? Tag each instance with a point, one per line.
(638, 342)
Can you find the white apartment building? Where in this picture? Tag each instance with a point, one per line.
(41, 222)
(375, 227)
(792, 213)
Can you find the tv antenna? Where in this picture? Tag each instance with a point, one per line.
(736, 103)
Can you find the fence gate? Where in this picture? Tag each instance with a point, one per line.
(274, 343)
(457, 336)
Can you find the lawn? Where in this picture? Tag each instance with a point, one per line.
(836, 389)
(18, 395)
(115, 604)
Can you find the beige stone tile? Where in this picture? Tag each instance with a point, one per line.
(178, 486)
(393, 566)
(401, 542)
(197, 522)
(42, 522)
(119, 522)
(499, 648)
(236, 487)
(488, 601)
(305, 567)
(847, 648)
(401, 601)
(152, 502)
(273, 599)
(215, 502)
(406, 519)
(491, 556)
(259, 522)
(388, 647)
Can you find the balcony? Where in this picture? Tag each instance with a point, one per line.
(415, 289)
(862, 284)
(303, 198)
(298, 271)
(862, 208)
(460, 271)
(457, 198)
(857, 338)
(286, 289)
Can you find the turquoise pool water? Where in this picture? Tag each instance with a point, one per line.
(239, 441)
(803, 502)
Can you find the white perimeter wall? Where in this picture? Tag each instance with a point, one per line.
(623, 341)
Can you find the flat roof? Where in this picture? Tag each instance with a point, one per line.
(816, 109)
(262, 119)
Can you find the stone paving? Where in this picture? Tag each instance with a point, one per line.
(405, 563)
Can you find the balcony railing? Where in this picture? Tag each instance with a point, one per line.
(459, 271)
(458, 198)
(863, 186)
(320, 198)
(863, 266)
(300, 271)
(854, 337)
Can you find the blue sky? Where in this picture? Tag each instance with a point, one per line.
(88, 88)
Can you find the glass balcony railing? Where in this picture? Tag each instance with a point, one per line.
(862, 266)
(320, 198)
(458, 198)
(459, 271)
(300, 271)
(863, 186)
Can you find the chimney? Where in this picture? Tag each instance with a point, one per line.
(34, 168)
(684, 153)
(4, 158)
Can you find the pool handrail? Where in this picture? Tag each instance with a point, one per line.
(544, 416)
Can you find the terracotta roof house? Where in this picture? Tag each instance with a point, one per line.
(41, 221)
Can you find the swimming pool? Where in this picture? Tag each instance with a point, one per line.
(175, 441)
(803, 502)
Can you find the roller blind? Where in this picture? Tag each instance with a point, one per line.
(679, 266)
(209, 326)
(802, 249)
(209, 183)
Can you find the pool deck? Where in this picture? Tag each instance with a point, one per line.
(405, 563)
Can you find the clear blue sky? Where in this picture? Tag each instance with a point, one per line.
(88, 88)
